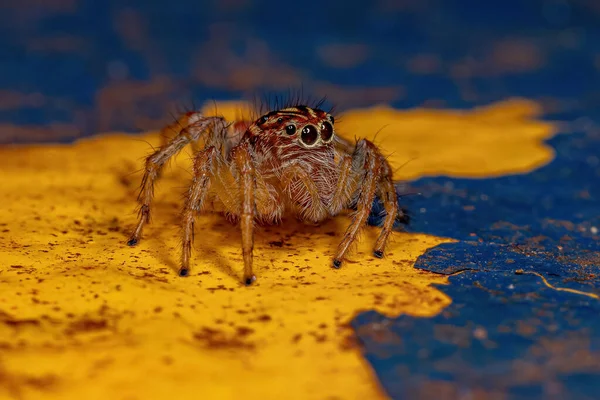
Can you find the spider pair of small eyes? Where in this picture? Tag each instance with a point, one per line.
(265, 118)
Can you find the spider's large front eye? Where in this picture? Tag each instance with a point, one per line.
(309, 135)
(290, 129)
(326, 131)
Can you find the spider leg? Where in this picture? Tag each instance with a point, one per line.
(346, 186)
(203, 165)
(387, 192)
(172, 130)
(168, 132)
(155, 163)
(245, 165)
(212, 173)
(269, 207)
(372, 165)
(226, 188)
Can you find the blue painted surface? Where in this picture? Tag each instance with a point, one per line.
(75, 68)
(506, 332)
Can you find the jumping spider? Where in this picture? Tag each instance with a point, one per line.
(287, 161)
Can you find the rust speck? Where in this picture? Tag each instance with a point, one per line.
(264, 318)
(244, 331)
(217, 339)
(86, 325)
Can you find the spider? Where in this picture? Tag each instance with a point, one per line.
(288, 161)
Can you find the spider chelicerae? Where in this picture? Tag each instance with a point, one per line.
(288, 161)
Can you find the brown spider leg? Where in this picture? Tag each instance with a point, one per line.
(245, 165)
(372, 165)
(390, 203)
(346, 186)
(203, 165)
(225, 187)
(155, 163)
(166, 133)
(269, 207)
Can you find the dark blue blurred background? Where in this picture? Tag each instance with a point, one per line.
(76, 67)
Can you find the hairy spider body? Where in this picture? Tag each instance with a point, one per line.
(288, 161)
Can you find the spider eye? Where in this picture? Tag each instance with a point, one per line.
(309, 135)
(332, 119)
(279, 120)
(290, 129)
(326, 131)
(263, 119)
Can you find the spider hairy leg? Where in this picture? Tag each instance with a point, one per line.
(203, 165)
(156, 161)
(345, 187)
(373, 168)
(388, 195)
(166, 133)
(245, 165)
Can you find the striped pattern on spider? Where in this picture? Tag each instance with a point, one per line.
(287, 162)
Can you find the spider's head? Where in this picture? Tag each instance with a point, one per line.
(300, 125)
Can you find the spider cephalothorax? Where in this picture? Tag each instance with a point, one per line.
(288, 161)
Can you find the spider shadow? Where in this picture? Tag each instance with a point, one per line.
(206, 253)
(327, 235)
(204, 257)
(165, 223)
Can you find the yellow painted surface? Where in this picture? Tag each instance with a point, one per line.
(490, 141)
(83, 316)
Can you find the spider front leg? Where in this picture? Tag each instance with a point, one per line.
(209, 169)
(387, 193)
(203, 168)
(245, 165)
(346, 185)
(376, 177)
(156, 161)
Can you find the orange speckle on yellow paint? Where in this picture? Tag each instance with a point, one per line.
(84, 316)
